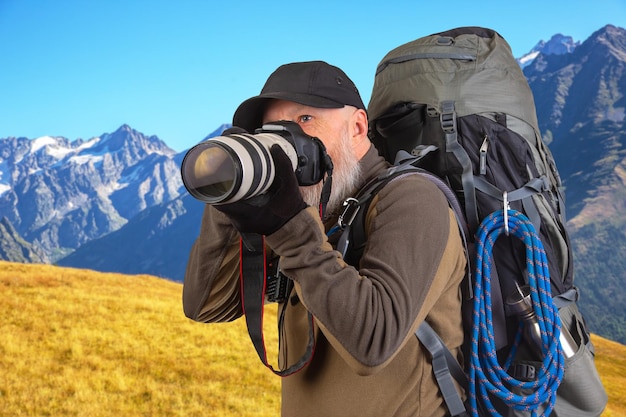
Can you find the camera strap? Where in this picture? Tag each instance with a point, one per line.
(328, 184)
(253, 280)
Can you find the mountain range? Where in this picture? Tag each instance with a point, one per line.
(59, 195)
(116, 202)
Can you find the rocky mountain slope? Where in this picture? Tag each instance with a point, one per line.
(581, 105)
(59, 194)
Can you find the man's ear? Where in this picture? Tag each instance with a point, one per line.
(360, 140)
(359, 121)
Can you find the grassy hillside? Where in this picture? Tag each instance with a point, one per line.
(81, 343)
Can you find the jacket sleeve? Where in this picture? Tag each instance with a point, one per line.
(211, 285)
(413, 256)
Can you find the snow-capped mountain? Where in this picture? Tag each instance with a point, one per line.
(557, 45)
(59, 194)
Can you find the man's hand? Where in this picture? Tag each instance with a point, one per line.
(266, 213)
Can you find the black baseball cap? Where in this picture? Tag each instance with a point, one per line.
(312, 83)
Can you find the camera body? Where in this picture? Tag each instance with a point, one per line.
(235, 167)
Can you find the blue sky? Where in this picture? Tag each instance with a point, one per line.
(179, 69)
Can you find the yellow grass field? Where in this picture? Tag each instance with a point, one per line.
(82, 343)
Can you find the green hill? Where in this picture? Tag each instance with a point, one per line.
(82, 343)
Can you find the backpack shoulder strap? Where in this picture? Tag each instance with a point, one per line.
(352, 219)
(352, 242)
(445, 367)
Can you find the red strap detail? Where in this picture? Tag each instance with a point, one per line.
(252, 265)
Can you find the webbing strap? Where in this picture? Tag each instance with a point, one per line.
(253, 278)
(448, 124)
(445, 367)
(568, 297)
(532, 187)
(524, 193)
(253, 287)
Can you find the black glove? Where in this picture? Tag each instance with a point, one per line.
(266, 213)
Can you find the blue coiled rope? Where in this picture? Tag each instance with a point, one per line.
(487, 377)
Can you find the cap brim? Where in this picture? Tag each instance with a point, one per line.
(249, 114)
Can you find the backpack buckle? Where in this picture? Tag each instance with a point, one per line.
(351, 208)
(523, 372)
(447, 117)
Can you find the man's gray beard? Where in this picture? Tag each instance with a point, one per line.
(346, 174)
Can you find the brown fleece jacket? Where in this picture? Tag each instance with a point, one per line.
(367, 360)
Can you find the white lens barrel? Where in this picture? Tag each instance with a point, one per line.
(253, 164)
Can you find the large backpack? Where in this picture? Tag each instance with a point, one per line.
(459, 102)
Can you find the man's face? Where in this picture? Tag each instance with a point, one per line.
(332, 127)
(326, 124)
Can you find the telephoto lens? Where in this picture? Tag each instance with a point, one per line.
(229, 168)
(225, 169)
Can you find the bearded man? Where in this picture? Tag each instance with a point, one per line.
(366, 360)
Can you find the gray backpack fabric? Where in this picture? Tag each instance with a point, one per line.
(462, 93)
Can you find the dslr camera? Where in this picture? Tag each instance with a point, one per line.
(239, 166)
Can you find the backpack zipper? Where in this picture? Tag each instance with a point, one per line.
(483, 156)
(427, 55)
